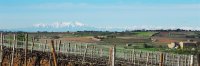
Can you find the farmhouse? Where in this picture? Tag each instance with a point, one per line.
(185, 44)
(174, 45)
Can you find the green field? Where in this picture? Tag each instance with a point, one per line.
(144, 34)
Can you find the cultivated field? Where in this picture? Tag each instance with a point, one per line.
(84, 51)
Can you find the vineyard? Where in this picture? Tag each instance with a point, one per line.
(64, 53)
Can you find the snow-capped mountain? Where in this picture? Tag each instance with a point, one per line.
(78, 26)
(59, 25)
(62, 27)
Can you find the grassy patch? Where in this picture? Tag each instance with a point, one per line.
(144, 34)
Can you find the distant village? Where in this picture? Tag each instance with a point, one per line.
(189, 44)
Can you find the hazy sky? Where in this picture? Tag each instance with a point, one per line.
(114, 13)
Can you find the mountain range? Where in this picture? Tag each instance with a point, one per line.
(63, 27)
(78, 26)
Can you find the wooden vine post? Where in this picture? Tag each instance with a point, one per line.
(53, 53)
(134, 56)
(156, 56)
(109, 60)
(101, 52)
(1, 41)
(33, 44)
(75, 49)
(151, 58)
(112, 53)
(13, 50)
(85, 52)
(147, 60)
(69, 48)
(10, 41)
(1, 50)
(198, 59)
(26, 48)
(161, 59)
(185, 63)
(178, 61)
(192, 60)
(59, 45)
(56, 47)
(92, 50)
(45, 45)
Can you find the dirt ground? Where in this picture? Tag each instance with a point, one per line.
(73, 39)
(164, 40)
(81, 39)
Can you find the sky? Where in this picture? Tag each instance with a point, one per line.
(101, 13)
